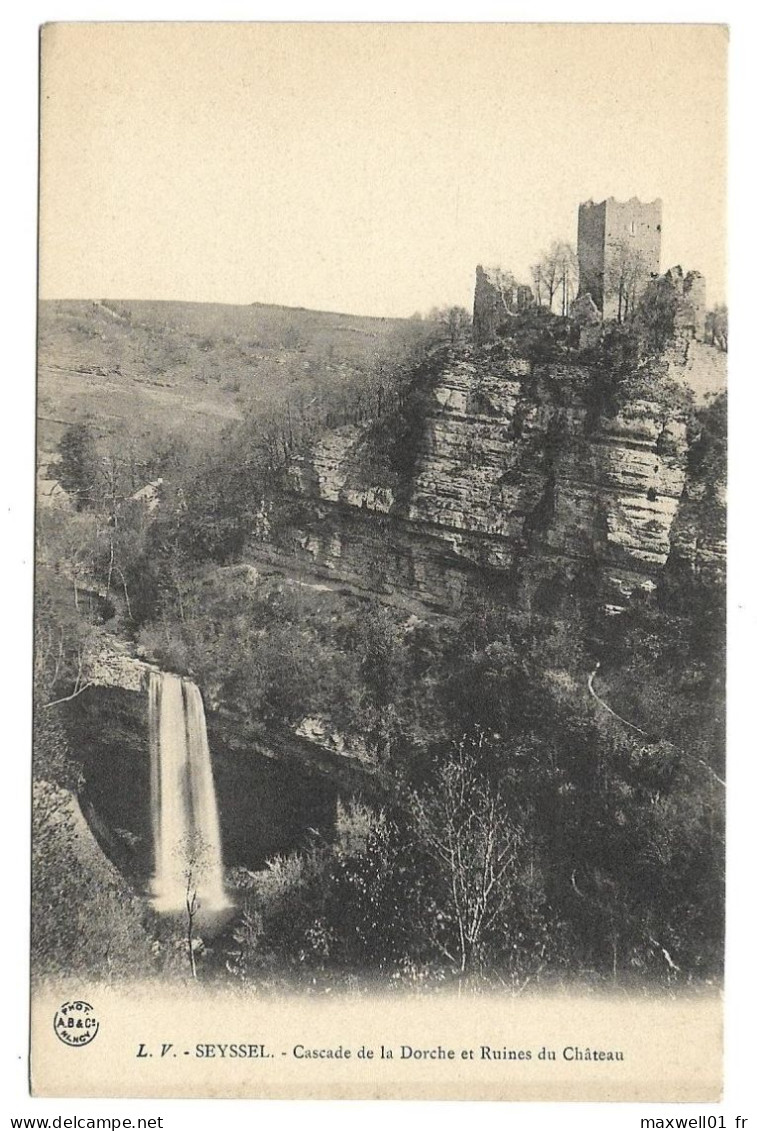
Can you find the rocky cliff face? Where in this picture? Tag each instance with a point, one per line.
(699, 532)
(510, 465)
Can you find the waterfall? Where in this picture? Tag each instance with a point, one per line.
(186, 833)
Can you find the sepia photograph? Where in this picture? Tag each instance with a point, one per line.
(380, 564)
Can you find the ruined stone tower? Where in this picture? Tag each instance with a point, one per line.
(618, 252)
(498, 295)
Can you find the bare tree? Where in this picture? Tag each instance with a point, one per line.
(549, 275)
(455, 319)
(66, 544)
(463, 826)
(82, 657)
(66, 642)
(194, 855)
(567, 263)
(555, 274)
(624, 277)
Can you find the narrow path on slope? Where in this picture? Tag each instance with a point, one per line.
(626, 723)
(607, 706)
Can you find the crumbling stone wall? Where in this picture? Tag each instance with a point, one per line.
(692, 311)
(497, 296)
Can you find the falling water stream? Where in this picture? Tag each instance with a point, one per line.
(186, 833)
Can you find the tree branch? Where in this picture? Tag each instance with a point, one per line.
(67, 698)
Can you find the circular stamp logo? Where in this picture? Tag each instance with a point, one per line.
(75, 1023)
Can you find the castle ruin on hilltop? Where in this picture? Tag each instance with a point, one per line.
(497, 296)
(619, 246)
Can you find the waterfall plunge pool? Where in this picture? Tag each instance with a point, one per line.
(265, 806)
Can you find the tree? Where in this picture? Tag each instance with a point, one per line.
(193, 852)
(462, 826)
(624, 277)
(455, 319)
(556, 274)
(656, 313)
(67, 548)
(567, 274)
(76, 467)
(65, 642)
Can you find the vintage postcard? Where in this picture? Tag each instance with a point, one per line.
(379, 709)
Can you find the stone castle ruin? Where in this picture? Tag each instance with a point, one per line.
(498, 295)
(619, 244)
(619, 247)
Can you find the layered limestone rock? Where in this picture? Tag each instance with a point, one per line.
(510, 464)
(514, 463)
(325, 473)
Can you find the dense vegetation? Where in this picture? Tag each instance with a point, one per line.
(534, 825)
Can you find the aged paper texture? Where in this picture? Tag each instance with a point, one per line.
(380, 571)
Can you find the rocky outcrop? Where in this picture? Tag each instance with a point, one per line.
(112, 665)
(503, 455)
(511, 464)
(699, 532)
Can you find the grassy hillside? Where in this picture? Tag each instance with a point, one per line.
(154, 367)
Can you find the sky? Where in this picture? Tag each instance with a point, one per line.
(365, 168)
